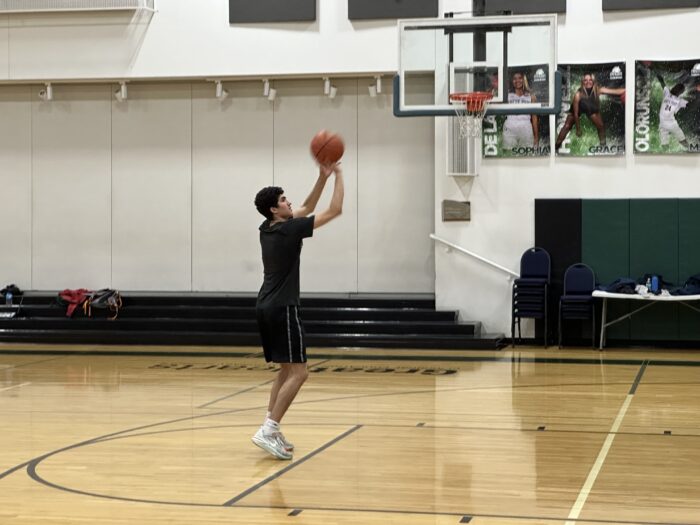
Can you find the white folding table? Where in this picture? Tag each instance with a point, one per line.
(651, 300)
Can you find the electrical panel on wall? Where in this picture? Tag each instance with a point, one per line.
(375, 9)
(619, 5)
(262, 11)
(519, 7)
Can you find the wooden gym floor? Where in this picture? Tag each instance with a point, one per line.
(524, 437)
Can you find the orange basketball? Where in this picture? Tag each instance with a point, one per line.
(327, 147)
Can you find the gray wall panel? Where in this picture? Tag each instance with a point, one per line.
(373, 9)
(251, 11)
(519, 7)
(616, 5)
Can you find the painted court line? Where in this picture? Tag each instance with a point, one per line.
(595, 470)
(607, 444)
(267, 480)
(14, 386)
(205, 405)
(637, 379)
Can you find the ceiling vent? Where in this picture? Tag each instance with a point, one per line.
(59, 6)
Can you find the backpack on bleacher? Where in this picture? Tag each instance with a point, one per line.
(105, 299)
(72, 299)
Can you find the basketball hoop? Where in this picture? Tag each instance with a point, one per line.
(470, 109)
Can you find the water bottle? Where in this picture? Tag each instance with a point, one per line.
(8, 298)
(655, 284)
(648, 284)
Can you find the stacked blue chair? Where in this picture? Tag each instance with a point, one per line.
(577, 301)
(530, 290)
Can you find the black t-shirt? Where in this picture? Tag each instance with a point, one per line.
(281, 249)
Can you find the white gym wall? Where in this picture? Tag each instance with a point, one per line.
(16, 183)
(70, 179)
(157, 193)
(188, 38)
(179, 194)
(232, 158)
(152, 188)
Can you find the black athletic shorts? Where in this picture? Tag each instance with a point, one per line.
(282, 334)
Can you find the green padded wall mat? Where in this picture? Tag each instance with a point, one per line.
(688, 264)
(654, 249)
(605, 247)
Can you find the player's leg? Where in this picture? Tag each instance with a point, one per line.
(269, 436)
(268, 345)
(600, 126)
(296, 376)
(276, 385)
(509, 138)
(664, 134)
(295, 371)
(282, 376)
(294, 365)
(677, 132)
(568, 124)
(526, 137)
(274, 333)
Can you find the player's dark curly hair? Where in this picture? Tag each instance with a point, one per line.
(267, 198)
(678, 90)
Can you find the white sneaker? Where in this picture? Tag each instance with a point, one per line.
(272, 444)
(289, 446)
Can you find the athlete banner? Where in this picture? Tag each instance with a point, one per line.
(667, 107)
(520, 135)
(592, 118)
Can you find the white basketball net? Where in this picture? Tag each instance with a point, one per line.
(470, 109)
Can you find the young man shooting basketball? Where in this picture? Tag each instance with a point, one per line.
(277, 307)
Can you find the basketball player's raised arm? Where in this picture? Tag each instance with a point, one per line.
(336, 206)
(311, 201)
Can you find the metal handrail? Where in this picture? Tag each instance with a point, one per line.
(511, 274)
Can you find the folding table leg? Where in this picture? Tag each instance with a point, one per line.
(603, 322)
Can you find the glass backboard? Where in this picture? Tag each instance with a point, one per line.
(492, 54)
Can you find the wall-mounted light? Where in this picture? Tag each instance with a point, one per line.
(272, 94)
(333, 92)
(221, 93)
(266, 87)
(376, 87)
(122, 93)
(46, 94)
(326, 86)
